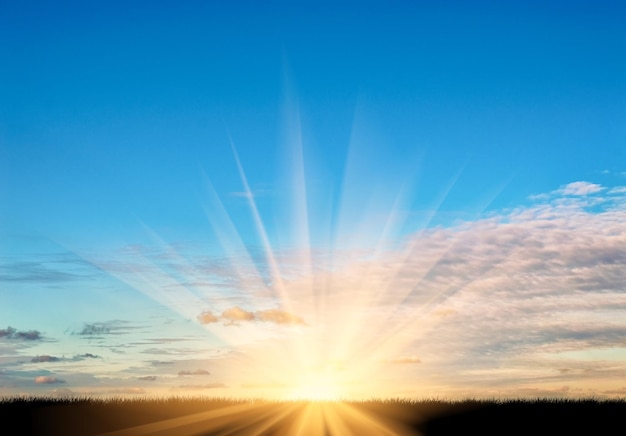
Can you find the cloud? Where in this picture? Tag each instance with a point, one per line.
(86, 356)
(196, 372)
(45, 379)
(148, 378)
(236, 314)
(11, 333)
(618, 190)
(46, 269)
(579, 188)
(207, 317)
(44, 358)
(279, 317)
(114, 327)
(95, 329)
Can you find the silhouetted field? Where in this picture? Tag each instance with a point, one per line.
(210, 416)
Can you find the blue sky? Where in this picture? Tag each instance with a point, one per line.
(357, 126)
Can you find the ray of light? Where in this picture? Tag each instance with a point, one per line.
(284, 418)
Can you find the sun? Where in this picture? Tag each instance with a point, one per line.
(317, 386)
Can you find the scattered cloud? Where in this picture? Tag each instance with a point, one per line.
(86, 356)
(196, 372)
(35, 272)
(44, 358)
(579, 188)
(236, 314)
(148, 378)
(618, 190)
(207, 317)
(11, 333)
(95, 329)
(45, 379)
(114, 327)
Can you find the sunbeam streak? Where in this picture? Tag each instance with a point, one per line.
(281, 419)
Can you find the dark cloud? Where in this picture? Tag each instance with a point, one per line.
(115, 327)
(11, 333)
(196, 372)
(95, 329)
(44, 358)
(86, 356)
(161, 363)
(148, 378)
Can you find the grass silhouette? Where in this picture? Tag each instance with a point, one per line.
(222, 416)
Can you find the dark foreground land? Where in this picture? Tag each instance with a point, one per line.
(188, 416)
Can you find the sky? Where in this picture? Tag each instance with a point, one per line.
(313, 199)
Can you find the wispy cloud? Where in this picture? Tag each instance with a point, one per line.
(148, 378)
(195, 372)
(114, 327)
(44, 358)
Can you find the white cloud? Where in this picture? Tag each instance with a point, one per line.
(580, 188)
(45, 379)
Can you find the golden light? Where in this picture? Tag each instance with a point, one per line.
(317, 386)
